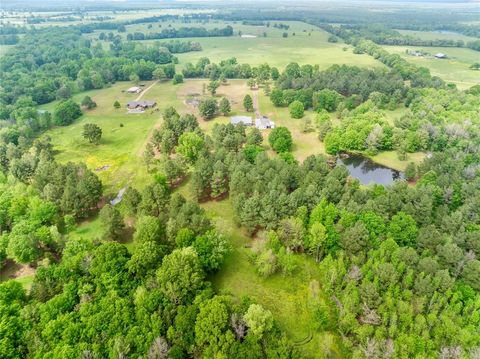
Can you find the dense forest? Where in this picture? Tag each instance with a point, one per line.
(398, 265)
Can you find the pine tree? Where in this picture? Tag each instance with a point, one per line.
(248, 103)
(225, 106)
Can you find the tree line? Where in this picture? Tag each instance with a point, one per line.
(182, 32)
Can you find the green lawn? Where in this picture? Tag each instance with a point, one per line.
(390, 159)
(455, 69)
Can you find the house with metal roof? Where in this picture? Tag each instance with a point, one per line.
(141, 105)
(244, 120)
(440, 55)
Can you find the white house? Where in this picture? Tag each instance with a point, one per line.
(440, 55)
(263, 123)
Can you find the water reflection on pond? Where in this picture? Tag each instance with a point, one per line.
(367, 171)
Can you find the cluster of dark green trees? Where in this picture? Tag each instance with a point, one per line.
(43, 202)
(154, 301)
(182, 32)
(229, 68)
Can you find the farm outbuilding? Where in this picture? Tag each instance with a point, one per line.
(440, 55)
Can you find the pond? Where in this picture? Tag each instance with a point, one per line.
(368, 171)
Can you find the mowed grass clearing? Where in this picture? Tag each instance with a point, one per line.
(454, 69)
(121, 147)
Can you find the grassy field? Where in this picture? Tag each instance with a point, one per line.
(455, 69)
(437, 35)
(308, 46)
(390, 159)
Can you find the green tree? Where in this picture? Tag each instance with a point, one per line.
(276, 96)
(254, 136)
(471, 274)
(92, 133)
(259, 320)
(251, 152)
(181, 276)
(326, 100)
(88, 103)
(212, 335)
(213, 86)
(208, 108)
(225, 106)
(177, 79)
(274, 73)
(66, 112)
(146, 256)
(318, 238)
(211, 248)
(23, 244)
(159, 73)
(116, 104)
(403, 229)
(64, 92)
(131, 199)
(296, 109)
(148, 229)
(280, 139)
(134, 78)
(410, 171)
(219, 181)
(248, 103)
(112, 221)
(190, 145)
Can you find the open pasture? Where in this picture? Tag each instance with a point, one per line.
(454, 69)
(309, 45)
(437, 35)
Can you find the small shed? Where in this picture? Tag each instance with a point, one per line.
(440, 55)
(244, 120)
(264, 123)
(134, 89)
